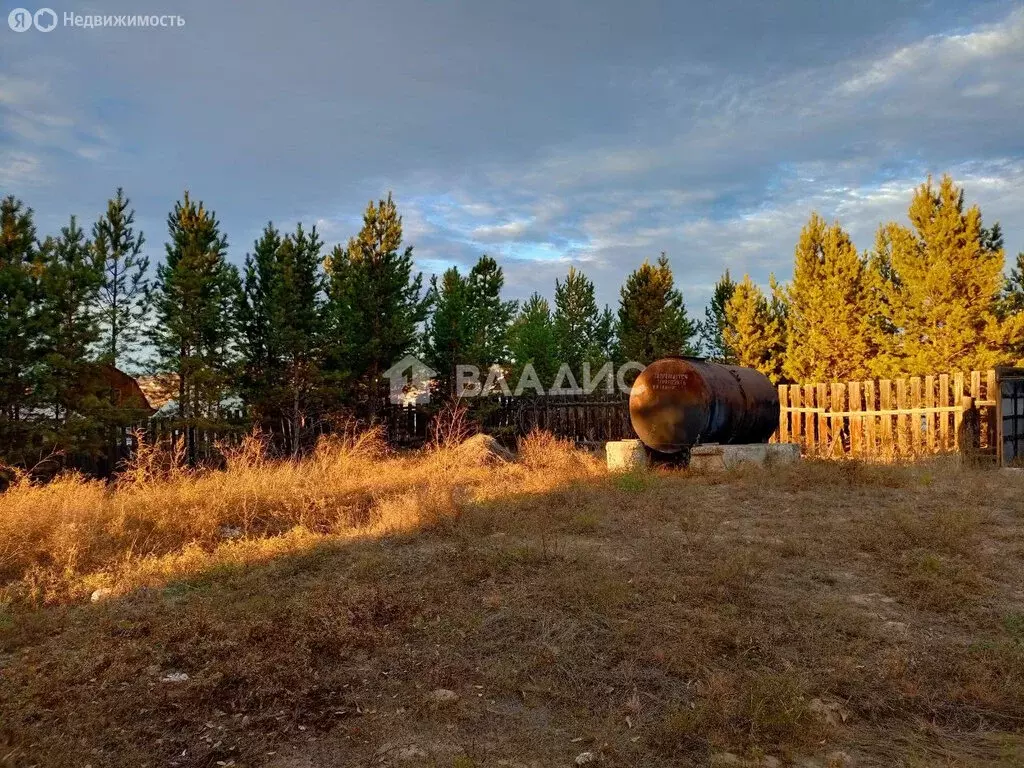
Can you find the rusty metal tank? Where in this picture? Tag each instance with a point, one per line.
(679, 402)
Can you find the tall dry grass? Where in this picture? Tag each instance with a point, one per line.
(62, 540)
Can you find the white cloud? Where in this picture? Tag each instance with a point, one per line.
(938, 55)
(511, 230)
(19, 169)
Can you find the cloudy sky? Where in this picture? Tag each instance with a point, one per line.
(545, 133)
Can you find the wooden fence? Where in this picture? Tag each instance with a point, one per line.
(585, 418)
(888, 419)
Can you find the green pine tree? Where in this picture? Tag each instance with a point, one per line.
(832, 306)
(296, 333)
(121, 302)
(575, 321)
(755, 329)
(652, 317)
(376, 301)
(260, 371)
(22, 326)
(75, 395)
(605, 346)
(489, 315)
(532, 341)
(1011, 310)
(195, 300)
(713, 343)
(449, 336)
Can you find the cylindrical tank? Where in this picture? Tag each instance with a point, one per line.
(678, 402)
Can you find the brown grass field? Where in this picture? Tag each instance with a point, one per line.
(820, 614)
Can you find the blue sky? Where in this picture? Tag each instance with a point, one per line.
(547, 134)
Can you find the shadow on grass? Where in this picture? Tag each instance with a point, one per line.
(653, 620)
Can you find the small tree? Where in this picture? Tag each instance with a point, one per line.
(376, 302)
(605, 347)
(195, 299)
(121, 301)
(532, 341)
(945, 275)
(652, 316)
(22, 342)
(575, 321)
(71, 280)
(295, 328)
(712, 328)
(489, 315)
(448, 336)
(260, 371)
(1011, 310)
(754, 330)
(832, 307)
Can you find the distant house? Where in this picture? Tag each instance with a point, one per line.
(126, 390)
(160, 389)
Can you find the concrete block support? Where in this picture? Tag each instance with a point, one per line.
(626, 455)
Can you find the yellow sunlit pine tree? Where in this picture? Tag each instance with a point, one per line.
(755, 330)
(832, 303)
(942, 279)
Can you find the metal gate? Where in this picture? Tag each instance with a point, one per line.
(1010, 422)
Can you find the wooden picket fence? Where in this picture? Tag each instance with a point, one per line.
(891, 419)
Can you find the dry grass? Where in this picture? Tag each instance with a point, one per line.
(650, 619)
(61, 541)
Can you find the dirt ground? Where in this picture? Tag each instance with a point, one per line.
(824, 614)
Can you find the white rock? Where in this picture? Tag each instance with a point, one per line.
(410, 753)
(896, 628)
(830, 712)
(442, 696)
(839, 759)
(174, 677)
(484, 449)
(585, 758)
(101, 594)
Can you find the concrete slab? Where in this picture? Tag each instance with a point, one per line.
(626, 455)
(719, 458)
(783, 453)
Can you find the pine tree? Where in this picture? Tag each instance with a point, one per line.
(532, 341)
(296, 332)
(74, 393)
(652, 317)
(121, 302)
(260, 373)
(944, 283)
(755, 330)
(376, 302)
(832, 305)
(22, 346)
(1011, 310)
(448, 335)
(195, 300)
(605, 347)
(575, 321)
(713, 343)
(489, 315)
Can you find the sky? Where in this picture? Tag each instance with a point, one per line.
(594, 133)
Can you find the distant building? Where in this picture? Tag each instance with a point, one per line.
(127, 391)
